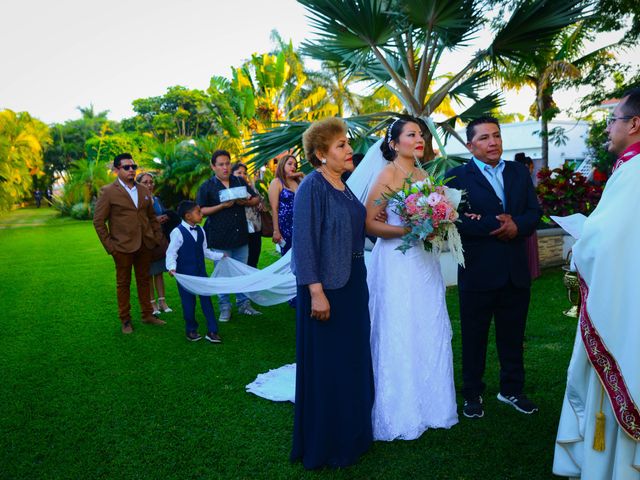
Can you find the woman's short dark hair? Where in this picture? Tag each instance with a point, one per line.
(219, 153)
(393, 134)
(319, 135)
(237, 166)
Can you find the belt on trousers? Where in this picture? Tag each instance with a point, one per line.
(357, 255)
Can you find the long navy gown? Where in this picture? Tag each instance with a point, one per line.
(334, 377)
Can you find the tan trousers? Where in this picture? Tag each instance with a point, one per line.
(141, 262)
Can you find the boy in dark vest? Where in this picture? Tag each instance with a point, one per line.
(186, 253)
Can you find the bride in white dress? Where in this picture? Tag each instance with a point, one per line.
(410, 326)
(410, 330)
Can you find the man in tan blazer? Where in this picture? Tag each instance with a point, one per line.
(128, 229)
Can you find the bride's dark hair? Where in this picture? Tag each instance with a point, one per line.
(393, 134)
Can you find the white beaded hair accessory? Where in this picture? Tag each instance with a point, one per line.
(389, 130)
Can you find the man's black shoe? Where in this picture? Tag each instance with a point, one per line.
(193, 336)
(473, 408)
(520, 402)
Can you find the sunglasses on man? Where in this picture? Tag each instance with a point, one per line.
(129, 167)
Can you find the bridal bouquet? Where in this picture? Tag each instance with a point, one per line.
(430, 209)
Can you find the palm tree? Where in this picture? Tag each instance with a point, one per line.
(22, 142)
(398, 44)
(335, 80)
(545, 71)
(184, 165)
(83, 182)
(266, 89)
(89, 113)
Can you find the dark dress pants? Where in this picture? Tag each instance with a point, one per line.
(508, 306)
(255, 247)
(188, 300)
(141, 262)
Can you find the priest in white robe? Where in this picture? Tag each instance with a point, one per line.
(599, 432)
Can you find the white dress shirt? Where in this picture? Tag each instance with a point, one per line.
(175, 242)
(133, 192)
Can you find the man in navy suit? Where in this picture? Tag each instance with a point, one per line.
(501, 211)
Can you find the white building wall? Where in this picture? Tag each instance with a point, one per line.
(521, 137)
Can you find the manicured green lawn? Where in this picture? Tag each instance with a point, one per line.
(80, 400)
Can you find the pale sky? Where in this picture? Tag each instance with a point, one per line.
(58, 55)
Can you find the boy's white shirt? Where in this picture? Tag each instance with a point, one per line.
(175, 242)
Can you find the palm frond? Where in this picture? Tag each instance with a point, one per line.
(349, 24)
(439, 166)
(533, 27)
(286, 136)
(267, 145)
(601, 55)
(485, 106)
(454, 22)
(471, 86)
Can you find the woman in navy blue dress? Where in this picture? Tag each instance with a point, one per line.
(334, 378)
(282, 191)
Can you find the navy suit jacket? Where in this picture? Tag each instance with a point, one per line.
(491, 263)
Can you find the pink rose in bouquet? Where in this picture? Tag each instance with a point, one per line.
(429, 208)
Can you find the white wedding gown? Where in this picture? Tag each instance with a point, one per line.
(410, 341)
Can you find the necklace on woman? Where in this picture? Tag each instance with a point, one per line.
(345, 191)
(397, 164)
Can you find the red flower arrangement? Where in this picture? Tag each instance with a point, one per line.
(562, 191)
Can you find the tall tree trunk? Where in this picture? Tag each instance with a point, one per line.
(544, 134)
(546, 107)
(429, 152)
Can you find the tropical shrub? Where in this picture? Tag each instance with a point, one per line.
(262, 187)
(82, 185)
(183, 166)
(82, 211)
(69, 140)
(105, 147)
(596, 144)
(22, 141)
(562, 191)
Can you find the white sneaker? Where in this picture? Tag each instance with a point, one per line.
(225, 314)
(246, 309)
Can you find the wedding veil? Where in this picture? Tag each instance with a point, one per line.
(365, 175)
(276, 283)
